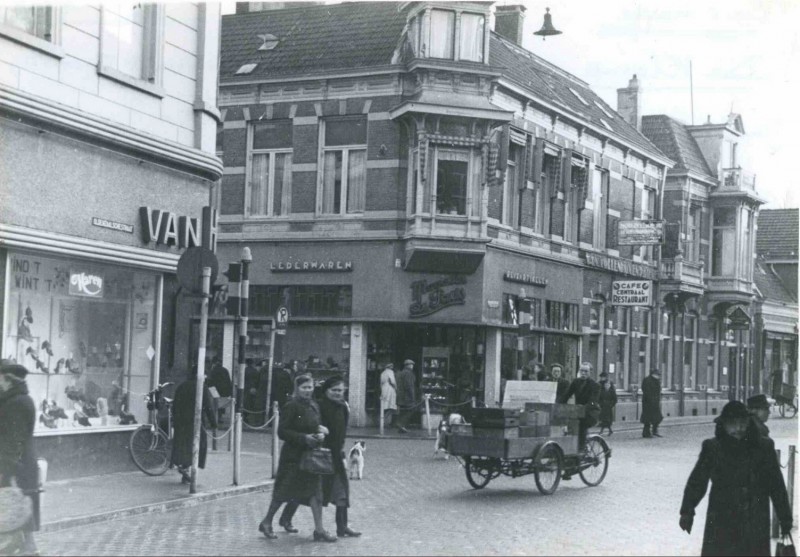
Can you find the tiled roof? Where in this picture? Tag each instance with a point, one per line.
(672, 137)
(770, 286)
(549, 82)
(358, 35)
(777, 235)
(311, 38)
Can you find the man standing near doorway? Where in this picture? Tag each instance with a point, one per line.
(406, 395)
(651, 404)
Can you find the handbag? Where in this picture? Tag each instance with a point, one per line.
(317, 461)
(785, 549)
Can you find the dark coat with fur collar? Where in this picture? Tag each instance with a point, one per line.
(17, 419)
(745, 476)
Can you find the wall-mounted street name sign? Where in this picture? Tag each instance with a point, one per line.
(104, 223)
(632, 293)
(640, 232)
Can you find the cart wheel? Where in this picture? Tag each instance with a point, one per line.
(547, 468)
(479, 471)
(594, 462)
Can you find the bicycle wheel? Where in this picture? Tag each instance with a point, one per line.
(788, 410)
(477, 476)
(547, 468)
(594, 463)
(150, 450)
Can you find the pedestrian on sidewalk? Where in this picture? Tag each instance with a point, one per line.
(220, 378)
(651, 404)
(557, 375)
(388, 393)
(183, 407)
(282, 386)
(758, 406)
(608, 403)
(300, 429)
(252, 411)
(745, 475)
(406, 395)
(17, 456)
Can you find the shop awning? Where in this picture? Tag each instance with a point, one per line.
(443, 260)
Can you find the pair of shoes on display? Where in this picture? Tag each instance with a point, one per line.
(324, 537)
(48, 421)
(348, 533)
(287, 525)
(268, 532)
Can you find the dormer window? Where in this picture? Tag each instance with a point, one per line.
(443, 30)
(472, 32)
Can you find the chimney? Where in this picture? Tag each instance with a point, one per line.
(508, 22)
(629, 103)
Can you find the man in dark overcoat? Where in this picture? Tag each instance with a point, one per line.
(651, 404)
(758, 406)
(406, 395)
(183, 420)
(745, 475)
(586, 391)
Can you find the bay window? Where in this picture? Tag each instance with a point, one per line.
(723, 257)
(344, 166)
(451, 183)
(270, 169)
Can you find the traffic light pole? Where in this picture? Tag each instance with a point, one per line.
(243, 319)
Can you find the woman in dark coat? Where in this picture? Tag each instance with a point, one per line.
(608, 403)
(745, 475)
(651, 404)
(17, 457)
(183, 421)
(300, 429)
(336, 487)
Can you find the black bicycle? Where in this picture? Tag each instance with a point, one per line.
(150, 444)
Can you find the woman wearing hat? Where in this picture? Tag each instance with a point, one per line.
(300, 429)
(744, 475)
(17, 458)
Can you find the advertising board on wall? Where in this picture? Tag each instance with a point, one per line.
(632, 293)
(640, 232)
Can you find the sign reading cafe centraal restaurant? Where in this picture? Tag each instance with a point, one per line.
(632, 293)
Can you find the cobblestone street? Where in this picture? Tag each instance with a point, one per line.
(410, 504)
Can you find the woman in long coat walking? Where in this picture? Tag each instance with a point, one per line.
(745, 475)
(335, 415)
(388, 393)
(608, 403)
(300, 429)
(17, 456)
(183, 421)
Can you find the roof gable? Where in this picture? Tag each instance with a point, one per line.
(672, 137)
(770, 286)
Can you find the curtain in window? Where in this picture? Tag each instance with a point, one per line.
(281, 196)
(356, 181)
(259, 180)
(331, 181)
(442, 31)
(20, 17)
(123, 38)
(472, 37)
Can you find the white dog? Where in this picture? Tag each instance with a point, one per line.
(356, 458)
(443, 431)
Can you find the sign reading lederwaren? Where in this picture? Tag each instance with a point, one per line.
(632, 293)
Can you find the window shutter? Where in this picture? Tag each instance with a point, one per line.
(502, 140)
(672, 239)
(565, 184)
(535, 163)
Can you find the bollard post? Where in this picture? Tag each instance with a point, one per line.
(276, 417)
(474, 402)
(790, 480)
(775, 526)
(428, 413)
(380, 418)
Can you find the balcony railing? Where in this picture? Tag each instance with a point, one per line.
(735, 179)
(689, 272)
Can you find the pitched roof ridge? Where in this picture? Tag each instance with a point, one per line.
(549, 65)
(777, 277)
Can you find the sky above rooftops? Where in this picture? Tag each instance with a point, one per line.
(743, 53)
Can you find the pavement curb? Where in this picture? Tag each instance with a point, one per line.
(160, 507)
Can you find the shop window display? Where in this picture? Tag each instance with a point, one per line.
(86, 333)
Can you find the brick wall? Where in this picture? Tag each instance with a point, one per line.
(304, 192)
(235, 145)
(384, 192)
(232, 195)
(557, 217)
(305, 144)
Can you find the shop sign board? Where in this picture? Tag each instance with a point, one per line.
(85, 284)
(622, 266)
(524, 278)
(430, 296)
(640, 232)
(632, 293)
(313, 265)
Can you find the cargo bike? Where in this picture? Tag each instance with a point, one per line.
(786, 400)
(541, 440)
